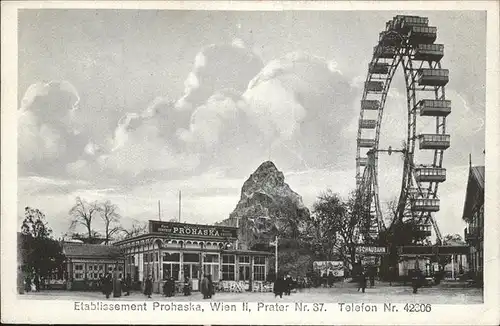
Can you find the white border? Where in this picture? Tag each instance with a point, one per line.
(16, 310)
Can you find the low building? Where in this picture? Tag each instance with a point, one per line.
(178, 250)
(473, 215)
(86, 264)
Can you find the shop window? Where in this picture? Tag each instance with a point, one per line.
(228, 259)
(244, 273)
(172, 256)
(259, 260)
(244, 259)
(171, 270)
(191, 258)
(210, 258)
(259, 273)
(227, 272)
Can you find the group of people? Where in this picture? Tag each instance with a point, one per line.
(327, 280)
(32, 284)
(115, 286)
(169, 287)
(283, 285)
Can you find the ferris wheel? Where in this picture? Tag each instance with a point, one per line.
(408, 42)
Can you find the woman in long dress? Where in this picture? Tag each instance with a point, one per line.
(205, 287)
(148, 287)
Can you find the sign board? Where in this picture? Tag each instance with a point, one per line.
(370, 250)
(336, 267)
(196, 230)
(433, 250)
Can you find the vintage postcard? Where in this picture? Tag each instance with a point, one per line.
(250, 162)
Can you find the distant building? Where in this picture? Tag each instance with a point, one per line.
(473, 215)
(87, 263)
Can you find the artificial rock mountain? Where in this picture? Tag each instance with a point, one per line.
(267, 207)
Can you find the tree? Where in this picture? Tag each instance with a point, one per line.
(82, 213)
(110, 217)
(335, 226)
(136, 229)
(42, 254)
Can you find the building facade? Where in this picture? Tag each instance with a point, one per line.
(86, 264)
(473, 215)
(179, 250)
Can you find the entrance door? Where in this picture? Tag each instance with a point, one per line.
(193, 272)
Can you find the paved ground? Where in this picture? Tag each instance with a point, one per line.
(346, 293)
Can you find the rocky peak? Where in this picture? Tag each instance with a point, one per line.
(267, 206)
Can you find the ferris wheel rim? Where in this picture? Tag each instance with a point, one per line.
(402, 56)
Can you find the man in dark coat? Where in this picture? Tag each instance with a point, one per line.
(362, 281)
(288, 285)
(166, 287)
(279, 286)
(127, 284)
(373, 271)
(205, 287)
(330, 279)
(416, 279)
(148, 287)
(107, 285)
(187, 286)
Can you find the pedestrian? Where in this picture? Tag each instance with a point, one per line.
(330, 279)
(205, 287)
(166, 287)
(324, 279)
(107, 285)
(362, 281)
(128, 284)
(27, 284)
(187, 286)
(36, 281)
(288, 284)
(279, 285)
(372, 276)
(416, 279)
(211, 288)
(148, 287)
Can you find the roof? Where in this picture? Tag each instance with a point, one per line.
(72, 250)
(475, 186)
(478, 174)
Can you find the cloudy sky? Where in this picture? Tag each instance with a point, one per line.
(133, 106)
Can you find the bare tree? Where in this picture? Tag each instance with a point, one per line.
(136, 229)
(82, 213)
(110, 216)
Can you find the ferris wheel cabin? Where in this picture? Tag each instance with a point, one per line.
(385, 52)
(434, 141)
(425, 205)
(367, 124)
(435, 108)
(365, 142)
(374, 86)
(433, 77)
(430, 174)
(370, 104)
(429, 52)
(378, 68)
(423, 229)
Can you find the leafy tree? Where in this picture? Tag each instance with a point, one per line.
(335, 226)
(83, 213)
(41, 253)
(110, 216)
